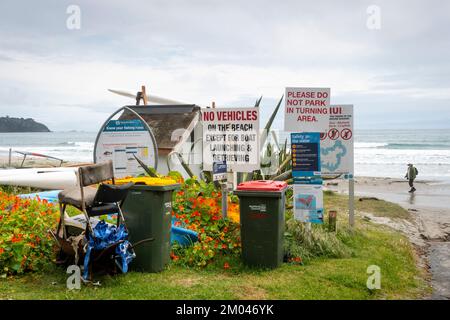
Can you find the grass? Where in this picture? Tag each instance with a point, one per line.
(379, 208)
(319, 278)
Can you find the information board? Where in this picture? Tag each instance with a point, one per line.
(308, 203)
(305, 151)
(119, 140)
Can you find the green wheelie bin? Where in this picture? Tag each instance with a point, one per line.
(262, 222)
(148, 213)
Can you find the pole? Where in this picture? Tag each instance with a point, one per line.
(351, 201)
(144, 95)
(224, 199)
(9, 158)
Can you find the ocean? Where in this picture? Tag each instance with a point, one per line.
(378, 153)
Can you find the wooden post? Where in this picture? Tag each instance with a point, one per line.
(332, 218)
(213, 105)
(351, 201)
(144, 95)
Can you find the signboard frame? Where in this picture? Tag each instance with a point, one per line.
(145, 125)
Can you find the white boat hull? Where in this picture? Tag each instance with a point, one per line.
(42, 179)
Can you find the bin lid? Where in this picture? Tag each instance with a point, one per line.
(148, 181)
(262, 185)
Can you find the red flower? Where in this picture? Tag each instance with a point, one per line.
(226, 266)
(15, 239)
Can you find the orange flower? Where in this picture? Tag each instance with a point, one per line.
(226, 266)
(2, 250)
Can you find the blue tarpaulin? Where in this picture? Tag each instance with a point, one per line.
(106, 235)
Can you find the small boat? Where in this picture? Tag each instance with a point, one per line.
(184, 237)
(42, 179)
(21, 171)
(50, 196)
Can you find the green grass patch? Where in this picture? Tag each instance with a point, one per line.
(379, 208)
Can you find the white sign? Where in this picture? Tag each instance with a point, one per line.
(231, 135)
(336, 145)
(306, 109)
(119, 140)
(308, 203)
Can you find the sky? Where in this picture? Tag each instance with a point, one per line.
(392, 64)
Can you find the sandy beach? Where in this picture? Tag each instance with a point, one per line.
(430, 210)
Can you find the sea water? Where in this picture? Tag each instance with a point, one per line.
(378, 153)
(386, 153)
(69, 146)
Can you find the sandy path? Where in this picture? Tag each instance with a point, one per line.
(430, 208)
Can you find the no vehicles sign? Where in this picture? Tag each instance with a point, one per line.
(306, 109)
(231, 135)
(336, 145)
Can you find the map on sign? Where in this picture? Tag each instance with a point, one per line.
(332, 156)
(308, 203)
(336, 143)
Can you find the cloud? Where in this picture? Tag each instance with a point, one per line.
(230, 52)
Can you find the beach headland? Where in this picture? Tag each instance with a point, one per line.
(428, 227)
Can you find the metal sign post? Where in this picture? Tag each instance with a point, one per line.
(224, 188)
(351, 201)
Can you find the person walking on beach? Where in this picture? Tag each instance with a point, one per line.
(411, 174)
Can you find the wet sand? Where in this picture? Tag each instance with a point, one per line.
(429, 206)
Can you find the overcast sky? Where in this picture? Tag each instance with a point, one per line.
(226, 51)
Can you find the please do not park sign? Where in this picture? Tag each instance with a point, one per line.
(306, 109)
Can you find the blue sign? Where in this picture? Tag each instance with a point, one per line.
(305, 151)
(219, 170)
(124, 125)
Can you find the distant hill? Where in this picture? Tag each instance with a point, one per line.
(8, 124)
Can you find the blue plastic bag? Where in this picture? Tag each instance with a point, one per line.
(104, 236)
